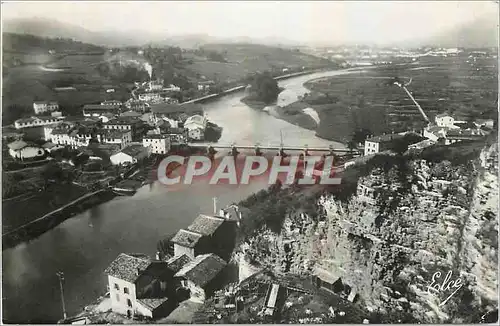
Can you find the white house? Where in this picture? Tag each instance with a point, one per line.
(196, 133)
(159, 144)
(45, 106)
(196, 125)
(22, 150)
(35, 122)
(138, 286)
(130, 154)
(154, 97)
(200, 276)
(445, 120)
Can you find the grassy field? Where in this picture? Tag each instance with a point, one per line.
(367, 99)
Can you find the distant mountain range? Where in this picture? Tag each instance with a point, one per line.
(482, 32)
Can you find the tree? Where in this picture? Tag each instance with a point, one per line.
(265, 88)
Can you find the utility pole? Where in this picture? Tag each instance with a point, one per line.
(215, 206)
(61, 279)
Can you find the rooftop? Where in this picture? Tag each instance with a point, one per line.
(152, 303)
(384, 138)
(202, 269)
(17, 145)
(155, 136)
(176, 263)
(45, 102)
(100, 107)
(442, 115)
(127, 266)
(134, 150)
(186, 238)
(176, 108)
(205, 225)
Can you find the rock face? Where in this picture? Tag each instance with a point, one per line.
(405, 230)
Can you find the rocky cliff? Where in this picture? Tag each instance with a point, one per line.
(409, 227)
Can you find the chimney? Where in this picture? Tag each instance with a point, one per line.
(158, 256)
(222, 213)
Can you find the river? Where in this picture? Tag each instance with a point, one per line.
(84, 245)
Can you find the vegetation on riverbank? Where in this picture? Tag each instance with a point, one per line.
(263, 91)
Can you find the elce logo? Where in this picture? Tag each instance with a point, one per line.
(445, 287)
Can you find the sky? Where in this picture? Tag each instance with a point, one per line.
(342, 21)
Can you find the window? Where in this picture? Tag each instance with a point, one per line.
(117, 287)
(125, 290)
(129, 303)
(117, 297)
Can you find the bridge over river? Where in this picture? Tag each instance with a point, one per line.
(281, 148)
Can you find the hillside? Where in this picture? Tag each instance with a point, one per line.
(52, 28)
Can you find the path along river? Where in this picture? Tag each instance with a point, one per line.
(84, 245)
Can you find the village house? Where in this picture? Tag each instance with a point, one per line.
(134, 125)
(178, 136)
(150, 97)
(155, 85)
(119, 137)
(130, 155)
(159, 144)
(112, 103)
(205, 85)
(140, 286)
(202, 276)
(21, 150)
(196, 126)
(97, 110)
(35, 122)
(381, 143)
(45, 106)
(136, 105)
(207, 234)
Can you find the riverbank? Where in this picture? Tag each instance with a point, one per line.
(39, 226)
